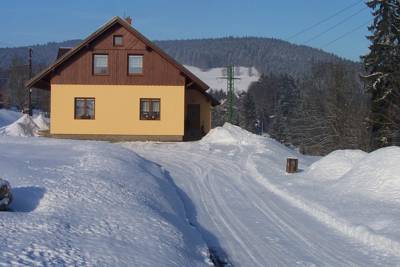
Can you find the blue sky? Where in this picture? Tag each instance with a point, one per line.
(40, 21)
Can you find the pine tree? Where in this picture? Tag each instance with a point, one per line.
(248, 115)
(383, 73)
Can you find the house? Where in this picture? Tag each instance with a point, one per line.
(117, 84)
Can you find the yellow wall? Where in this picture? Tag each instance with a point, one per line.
(195, 97)
(117, 109)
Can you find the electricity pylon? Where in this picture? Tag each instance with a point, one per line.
(230, 84)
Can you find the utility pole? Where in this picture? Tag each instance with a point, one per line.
(230, 78)
(30, 77)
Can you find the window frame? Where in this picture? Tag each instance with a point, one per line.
(85, 99)
(135, 74)
(108, 64)
(151, 100)
(118, 36)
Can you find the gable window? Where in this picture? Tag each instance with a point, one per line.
(150, 109)
(100, 64)
(135, 64)
(118, 40)
(84, 108)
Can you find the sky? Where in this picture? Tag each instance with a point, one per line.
(28, 22)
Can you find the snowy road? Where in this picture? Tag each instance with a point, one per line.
(245, 219)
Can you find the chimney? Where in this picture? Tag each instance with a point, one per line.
(129, 20)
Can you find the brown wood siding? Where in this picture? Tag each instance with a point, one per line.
(156, 70)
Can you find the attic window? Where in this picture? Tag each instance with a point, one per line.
(118, 40)
(100, 64)
(135, 64)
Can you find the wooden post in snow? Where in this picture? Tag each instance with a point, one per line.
(292, 165)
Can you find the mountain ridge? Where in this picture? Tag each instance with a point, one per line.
(267, 55)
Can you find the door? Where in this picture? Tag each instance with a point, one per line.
(193, 128)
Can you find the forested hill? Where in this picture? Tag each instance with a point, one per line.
(266, 54)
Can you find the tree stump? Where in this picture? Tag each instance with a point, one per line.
(292, 165)
(5, 195)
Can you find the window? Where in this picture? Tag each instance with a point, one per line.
(84, 108)
(135, 64)
(150, 109)
(100, 64)
(118, 40)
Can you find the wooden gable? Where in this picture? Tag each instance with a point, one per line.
(75, 66)
(156, 70)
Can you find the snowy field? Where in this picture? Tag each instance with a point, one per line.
(212, 77)
(86, 203)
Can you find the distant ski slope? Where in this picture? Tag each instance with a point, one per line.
(212, 77)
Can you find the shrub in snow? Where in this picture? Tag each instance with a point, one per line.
(5, 195)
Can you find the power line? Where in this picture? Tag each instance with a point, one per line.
(335, 26)
(347, 33)
(324, 20)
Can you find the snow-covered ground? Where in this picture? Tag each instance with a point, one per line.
(99, 204)
(80, 203)
(333, 213)
(212, 77)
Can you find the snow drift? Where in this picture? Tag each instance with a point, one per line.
(336, 164)
(377, 175)
(95, 204)
(23, 127)
(42, 122)
(230, 134)
(26, 126)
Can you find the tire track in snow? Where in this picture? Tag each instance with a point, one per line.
(358, 233)
(210, 174)
(287, 227)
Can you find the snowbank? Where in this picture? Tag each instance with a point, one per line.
(335, 164)
(42, 122)
(377, 175)
(26, 126)
(8, 116)
(80, 203)
(23, 127)
(231, 134)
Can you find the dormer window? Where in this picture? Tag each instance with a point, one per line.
(118, 40)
